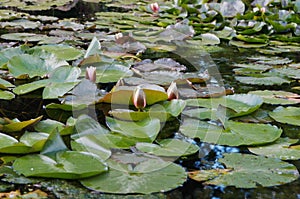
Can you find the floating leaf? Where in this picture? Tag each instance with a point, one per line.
(145, 130)
(236, 133)
(288, 115)
(249, 171)
(168, 147)
(67, 165)
(277, 97)
(62, 52)
(15, 126)
(6, 95)
(142, 178)
(283, 148)
(123, 94)
(262, 80)
(29, 142)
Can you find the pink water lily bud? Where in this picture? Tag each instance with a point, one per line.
(262, 10)
(139, 98)
(172, 91)
(154, 7)
(90, 73)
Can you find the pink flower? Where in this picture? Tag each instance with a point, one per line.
(90, 73)
(154, 7)
(139, 98)
(172, 91)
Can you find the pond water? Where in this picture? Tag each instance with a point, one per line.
(29, 106)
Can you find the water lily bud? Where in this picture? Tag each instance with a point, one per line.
(154, 7)
(262, 10)
(139, 98)
(90, 73)
(172, 91)
(118, 35)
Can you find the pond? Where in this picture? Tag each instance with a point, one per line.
(131, 99)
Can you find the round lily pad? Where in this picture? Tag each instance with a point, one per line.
(235, 134)
(68, 165)
(288, 115)
(249, 171)
(168, 147)
(277, 97)
(139, 178)
(283, 148)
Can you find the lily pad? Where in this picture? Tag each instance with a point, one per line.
(236, 133)
(249, 171)
(277, 97)
(288, 115)
(29, 142)
(142, 178)
(283, 148)
(14, 126)
(62, 52)
(262, 80)
(168, 147)
(6, 95)
(68, 165)
(145, 130)
(123, 94)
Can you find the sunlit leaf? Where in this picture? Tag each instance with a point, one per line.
(288, 115)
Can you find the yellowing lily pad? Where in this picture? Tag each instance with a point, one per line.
(123, 94)
(14, 126)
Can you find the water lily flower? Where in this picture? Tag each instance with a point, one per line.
(90, 73)
(154, 7)
(139, 98)
(172, 91)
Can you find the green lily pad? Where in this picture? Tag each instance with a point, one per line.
(163, 111)
(142, 178)
(236, 133)
(123, 94)
(201, 113)
(15, 126)
(5, 84)
(62, 52)
(145, 130)
(68, 165)
(29, 142)
(277, 97)
(6, 95)
(262, 80)
(61, 80)
(168, 147)
(288, 115)
(32, 66)
(22, 36)
(249, 171)
(283, 148)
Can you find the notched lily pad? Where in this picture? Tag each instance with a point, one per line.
(277, 97)
(249, 171)
(145, 176)
(16, 125)
(235, 133)
(288, 115)
(169, 148)
(283, 148)
(68, 165)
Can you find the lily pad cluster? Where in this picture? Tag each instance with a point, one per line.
(101, 65)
